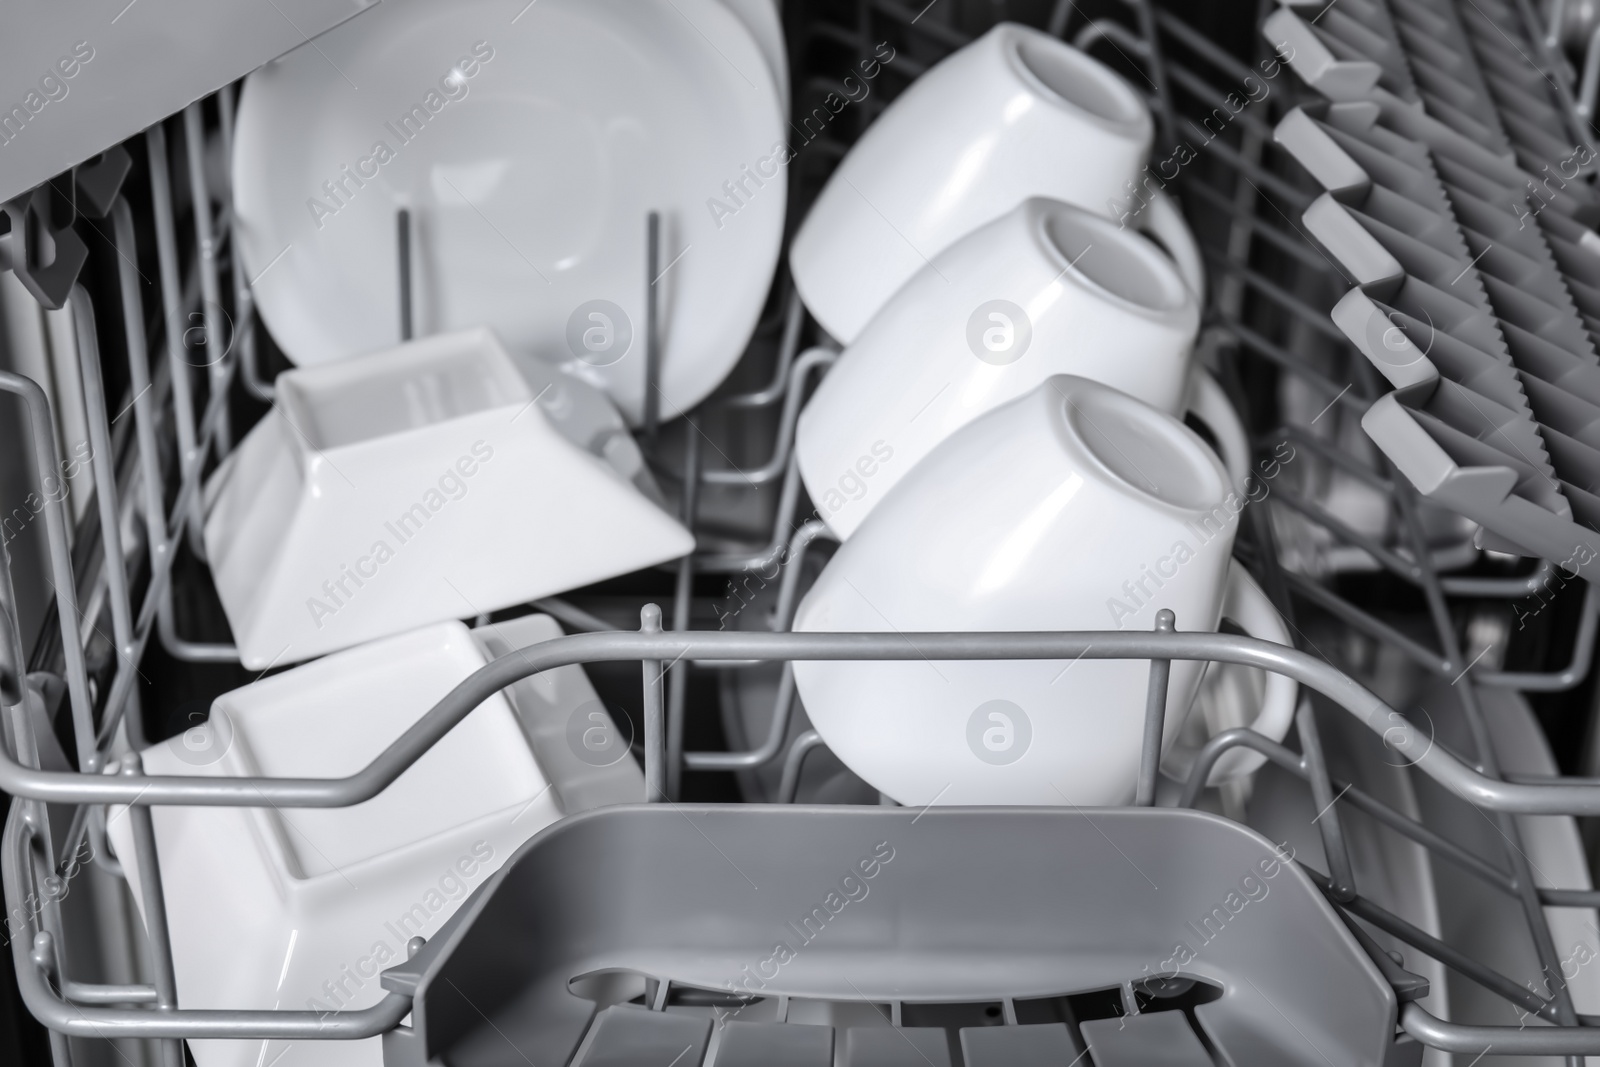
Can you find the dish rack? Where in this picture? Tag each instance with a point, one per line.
(1359, 560)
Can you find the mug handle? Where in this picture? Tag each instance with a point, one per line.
(1210, 404)
(1246, 604)
(1162, 220)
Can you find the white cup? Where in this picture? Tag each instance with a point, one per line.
(1016, 113)
(1074, 507)
(1044, 289)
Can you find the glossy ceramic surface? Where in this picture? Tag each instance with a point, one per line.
(1073, 507)
(300, 908)
(764, 22)
(529, 143)
(408, 487)
(1015, 114)
(1044, 289)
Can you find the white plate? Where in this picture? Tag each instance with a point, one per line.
(1474, 917)
(1483, 922)
(298, 908)
(581, 748)
(1390, 869)
(544, 133)
(764, 22)
(1555, 848)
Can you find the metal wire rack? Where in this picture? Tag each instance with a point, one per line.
(1267, 330)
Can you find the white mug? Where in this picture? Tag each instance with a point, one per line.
(1016, 113)
(1044, 289)
(1073, 507)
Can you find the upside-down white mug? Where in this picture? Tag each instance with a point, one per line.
(1073, 507)
(1044, 289)
(1016, 113)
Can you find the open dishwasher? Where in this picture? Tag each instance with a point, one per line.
(629, 816)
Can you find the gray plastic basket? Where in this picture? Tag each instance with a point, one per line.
(953, 926)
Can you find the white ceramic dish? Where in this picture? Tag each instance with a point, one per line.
(407, 487)
(584, 753)
(529, 142)
(1044, 289)
(300, 908)
(764, 22)
(1015, 114)
(583, 414)
(1553, 843)
(1073, 507)
(1480, 920)
(1391, 870)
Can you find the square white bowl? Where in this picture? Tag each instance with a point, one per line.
(300, 908)
(410, 486)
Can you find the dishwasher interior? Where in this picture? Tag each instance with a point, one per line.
(1394, 204)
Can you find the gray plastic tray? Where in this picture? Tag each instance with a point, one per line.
(938, 924)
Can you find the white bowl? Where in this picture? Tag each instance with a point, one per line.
(410, 486)
(299, 908)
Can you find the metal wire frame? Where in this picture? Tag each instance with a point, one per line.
(1240, 204)
(793, 532)
(1410, 559)
(791, 374)
(1403, 560)
(82, 1009)
(164, 536)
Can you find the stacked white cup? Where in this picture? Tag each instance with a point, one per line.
(1001, 444)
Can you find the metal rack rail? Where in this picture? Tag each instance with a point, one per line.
(84, 1009)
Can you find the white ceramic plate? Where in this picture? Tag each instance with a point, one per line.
(1390, 869)
(529, 141)
(764, 22)
(1483, 922)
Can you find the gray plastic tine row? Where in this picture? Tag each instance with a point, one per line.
(1466, 266)
(1470, 66)
(1396, 235)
